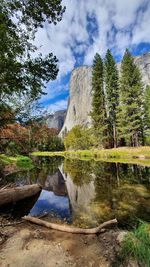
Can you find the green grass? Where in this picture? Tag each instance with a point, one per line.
(137, 155)
(7, 159)
(136, 245)
(20, 161)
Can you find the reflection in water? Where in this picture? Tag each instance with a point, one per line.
(89, 192)
(48, 202)
(99, 191)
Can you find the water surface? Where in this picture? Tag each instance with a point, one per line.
(86, 193)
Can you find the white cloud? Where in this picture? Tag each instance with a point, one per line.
(120, 24)
(59, 105)
(55, 89)
(131, 28)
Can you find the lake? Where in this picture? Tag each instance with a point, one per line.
(86, 192)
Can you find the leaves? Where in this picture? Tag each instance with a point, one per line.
(20, 70)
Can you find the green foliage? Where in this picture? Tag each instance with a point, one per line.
(130, 111)
(20, 161)
(21, 72)
(112, 95)
(12, 149)
(79, 171)
(79, 138)
(24, 162)
(6, 114)
(147, 115)
(136, 244)
(98, 113)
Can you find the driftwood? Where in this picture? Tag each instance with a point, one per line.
(66, 228)
(13, 195)
(22, 221)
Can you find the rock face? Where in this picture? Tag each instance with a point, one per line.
(79, 104)
(143, 62)
(56, 120)
(80, 100)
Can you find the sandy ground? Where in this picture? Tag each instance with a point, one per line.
(28, 245)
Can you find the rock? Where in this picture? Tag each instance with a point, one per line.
(121, 236)
(79, 104)
(132, 263)
(80, 100)
(56, 120)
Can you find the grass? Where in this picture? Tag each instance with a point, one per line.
(7, 159)
(139, 155)
(20, 161)
(136, 244)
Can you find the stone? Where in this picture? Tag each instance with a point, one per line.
(56, 120)
(79, 104)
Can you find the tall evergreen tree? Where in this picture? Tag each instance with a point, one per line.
(147, 113)
(98, 112)
(112, 95)
(131, 104)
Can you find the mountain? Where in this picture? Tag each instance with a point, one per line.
(56, 120)
(80, 99)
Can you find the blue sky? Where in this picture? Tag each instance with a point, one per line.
(87, 27)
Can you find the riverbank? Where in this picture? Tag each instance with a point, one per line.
(139, 155)
(9, 164)
(39, 246)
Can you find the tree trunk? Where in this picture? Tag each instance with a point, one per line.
(69, 229)
(13, 195)
(115, 136)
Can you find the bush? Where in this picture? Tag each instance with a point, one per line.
(79, 138)
(24, 162)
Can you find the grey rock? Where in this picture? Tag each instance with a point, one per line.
(56, 120)
(121, 236)
(79, 104)
(80, 100)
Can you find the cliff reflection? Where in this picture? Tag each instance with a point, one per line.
(99, 191)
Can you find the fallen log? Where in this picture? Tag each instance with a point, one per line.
(13, 195)
(69, 229)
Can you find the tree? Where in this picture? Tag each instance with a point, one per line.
(21, 71)
(78, 138)
(112, 95)
(6, 114)
(98, 113)
(130, 111)
(147, 113)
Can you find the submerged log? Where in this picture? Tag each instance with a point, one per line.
(13, 195)
(69, 229)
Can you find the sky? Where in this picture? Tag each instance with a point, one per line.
(89, 27)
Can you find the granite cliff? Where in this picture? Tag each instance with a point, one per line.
(80, 99)
(56, 120)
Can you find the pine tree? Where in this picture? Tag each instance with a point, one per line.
(131, 107)
(147, 112)
(98, 112)
(112, 95)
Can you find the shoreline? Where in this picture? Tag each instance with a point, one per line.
(137, 155)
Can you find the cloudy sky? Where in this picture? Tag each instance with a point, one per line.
(87, 27)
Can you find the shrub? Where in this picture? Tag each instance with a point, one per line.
(137, 245)
(79, 138)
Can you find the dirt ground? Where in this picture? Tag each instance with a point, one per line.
(29, 245)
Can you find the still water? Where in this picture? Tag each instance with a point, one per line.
(86, 193)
